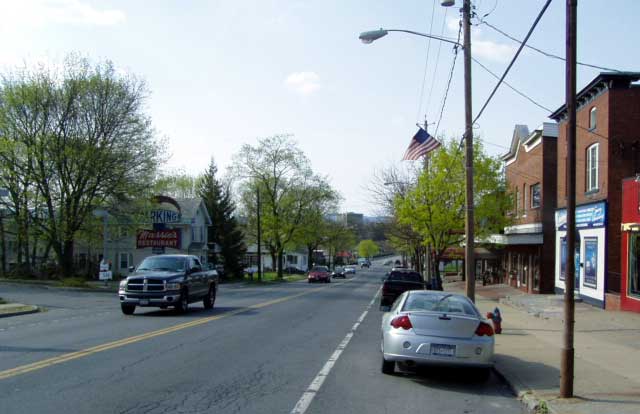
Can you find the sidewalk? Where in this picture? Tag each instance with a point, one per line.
(607, 351)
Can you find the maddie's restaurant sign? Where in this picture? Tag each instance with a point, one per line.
(158, 238)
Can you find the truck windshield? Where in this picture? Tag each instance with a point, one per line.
(172, 264)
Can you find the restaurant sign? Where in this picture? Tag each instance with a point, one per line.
(165, 216)
(158, 238)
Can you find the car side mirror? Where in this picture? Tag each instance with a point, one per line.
(131, 269)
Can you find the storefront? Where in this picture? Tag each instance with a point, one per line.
(590, 255)
(630, 246)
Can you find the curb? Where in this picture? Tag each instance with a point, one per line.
(25, 312)
(532, 403)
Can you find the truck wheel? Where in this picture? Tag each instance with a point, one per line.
(127, 309)
(183, 305)
(210, 299)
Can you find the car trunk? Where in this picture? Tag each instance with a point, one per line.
(443, 325)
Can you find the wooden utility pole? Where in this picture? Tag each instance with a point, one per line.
(469, 257)
(567, 358)
(259, 235)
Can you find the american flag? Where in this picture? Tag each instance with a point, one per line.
(421, 144)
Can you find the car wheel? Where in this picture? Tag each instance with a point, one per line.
(210, 299)
(482, 374)
(128, 309)
(388, 367)
(183, 304)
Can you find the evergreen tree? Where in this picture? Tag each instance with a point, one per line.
(224, 230)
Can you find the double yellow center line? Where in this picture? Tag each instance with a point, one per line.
(23, 369)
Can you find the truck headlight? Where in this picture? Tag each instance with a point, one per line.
(123, 284)
(173, 286)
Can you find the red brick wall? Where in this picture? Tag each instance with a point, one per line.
(522, 173)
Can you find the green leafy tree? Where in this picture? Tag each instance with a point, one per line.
(368, 248)
(224, 231)
(288, 187)
(79, 137)
(435, 207)
(338, 237)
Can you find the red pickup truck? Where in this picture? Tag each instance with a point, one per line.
(398, 281)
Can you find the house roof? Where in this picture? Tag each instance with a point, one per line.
(520, 133)
(605, 80)
(190, 206)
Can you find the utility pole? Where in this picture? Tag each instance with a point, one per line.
(259, 235)
(567, 358)
(469, 257)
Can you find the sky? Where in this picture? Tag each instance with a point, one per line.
(225, 73)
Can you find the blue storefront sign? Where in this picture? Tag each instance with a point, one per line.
(587, 216)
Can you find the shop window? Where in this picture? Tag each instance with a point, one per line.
(634, 265)
(592, 118)
(535, 195)
(522, 268)
(591, 262)
(592, 168)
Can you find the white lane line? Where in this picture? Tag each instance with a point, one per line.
(307, 397)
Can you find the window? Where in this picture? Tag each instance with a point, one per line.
(124, 260)
(292, 259)
(524, 202)
(535, 195)
(592, 118)
(518, 201)
(592, 168)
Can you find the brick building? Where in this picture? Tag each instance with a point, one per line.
(607, 150)
(530, 170)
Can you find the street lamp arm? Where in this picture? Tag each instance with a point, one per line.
(370, 36)
(442, 39)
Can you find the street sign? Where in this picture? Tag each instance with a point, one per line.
(105, 273)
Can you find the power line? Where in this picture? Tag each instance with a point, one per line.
(547, 54)
(435, 70)
(446, 91)
(426, 62)
(513, 60)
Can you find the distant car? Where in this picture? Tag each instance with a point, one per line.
(339, 272)
(388, 262)
(292, 270)
(398, 281)
(319, 274)
(350, 270)
(437, 328)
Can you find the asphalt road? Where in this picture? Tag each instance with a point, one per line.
(282, 348)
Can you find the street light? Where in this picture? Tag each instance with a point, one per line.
(369, 37)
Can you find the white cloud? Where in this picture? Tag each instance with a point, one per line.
(304, 83)
(482, 48)
(38, 13)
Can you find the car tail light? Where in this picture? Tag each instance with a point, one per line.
(484, 329)
(402, 322)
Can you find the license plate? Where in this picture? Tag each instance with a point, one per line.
(443, 350)
(144, 301)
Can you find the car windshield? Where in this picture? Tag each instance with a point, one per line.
(406, 276)
(320, 269)
(167, 263)
(441, 303)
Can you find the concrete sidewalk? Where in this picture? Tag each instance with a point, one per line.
(607, 347)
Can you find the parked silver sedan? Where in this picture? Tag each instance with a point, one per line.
(350, 269)
(437, 328)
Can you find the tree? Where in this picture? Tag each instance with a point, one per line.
(367, 248)
(435, 208)
(80, 138)
(178, 184)
(338, 238)
(287, 184)
(224, 231)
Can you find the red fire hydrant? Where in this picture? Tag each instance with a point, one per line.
(496, 318)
